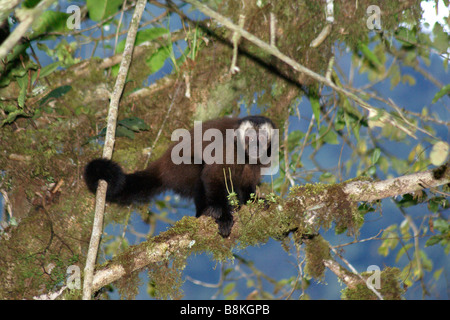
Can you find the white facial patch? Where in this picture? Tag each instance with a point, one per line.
(254, 138)
(268, 128)
(247, 125)
(241, 131)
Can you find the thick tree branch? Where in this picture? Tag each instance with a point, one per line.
(370, 191)
(145, 254)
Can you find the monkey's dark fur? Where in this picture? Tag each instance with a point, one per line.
(205, 183)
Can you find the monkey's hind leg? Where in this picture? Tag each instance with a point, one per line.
(212, 202)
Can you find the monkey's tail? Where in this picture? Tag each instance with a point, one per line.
(122, 188)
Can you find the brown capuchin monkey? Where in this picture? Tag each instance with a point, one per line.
(191, 176)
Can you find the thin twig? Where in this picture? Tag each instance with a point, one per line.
(163, 123)
(416, 234)
(97, 228)
(286, 151)
(273, 28)
(329, 11)
(6, 205)
(116, 38)
(236, 36)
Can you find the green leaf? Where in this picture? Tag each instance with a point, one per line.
(8, 107)
(30, 3)
(55, 93)
(352, 118)
(48, 69)
(369, 55)
(433, 206)
(144, 36)
(395, 76)
(228, 288)
(406, 36)
(441, 225)
(371, 171)
(409, 79)
(437, 274)
(134, 123)
(294, 139)
(16, 51)
(402, 251)
(407, 201)
(315, 105)
(122, 131)
(376, 155)
(339, 122)
(101, 9)
(390, 241)
(433, 240)
(404, 230)
(156, 60)
(12, 116)
(329, 137)
(441, 38)
(439, 153)
(365, 208)
(427, 264)
(125, 128)
(327, 177)
(444, 91)
(51, 21)
(23, 84)
(45, 71)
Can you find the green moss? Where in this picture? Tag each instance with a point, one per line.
(315, 206)
(166, 273)
(317, 250)
(260, 221)
(390, 288)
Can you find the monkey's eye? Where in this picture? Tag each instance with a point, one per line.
(263, 135)
(250, 136)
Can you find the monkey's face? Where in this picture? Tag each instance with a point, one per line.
(256, 140)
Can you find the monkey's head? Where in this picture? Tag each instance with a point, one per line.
(255, 134)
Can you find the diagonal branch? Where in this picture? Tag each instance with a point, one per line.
(29, 16)
(383, 116)
(97, 228)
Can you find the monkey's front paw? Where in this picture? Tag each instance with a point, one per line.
(225, 226)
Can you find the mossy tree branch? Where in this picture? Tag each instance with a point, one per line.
(306, 208)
